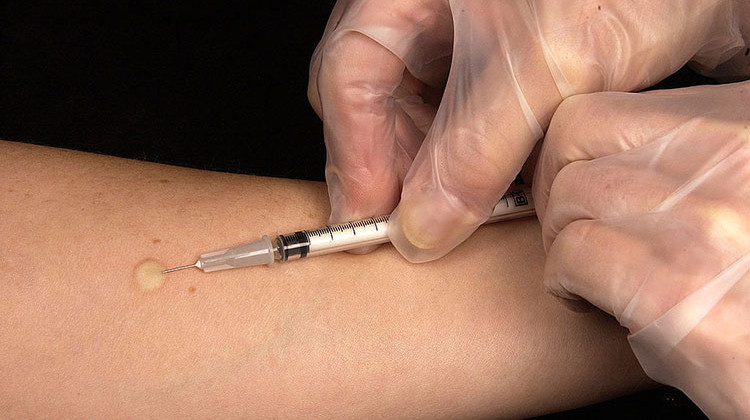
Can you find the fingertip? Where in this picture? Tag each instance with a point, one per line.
(405, 242)
(405, 245)
(426, 228)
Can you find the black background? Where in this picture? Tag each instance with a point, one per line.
(221, 87)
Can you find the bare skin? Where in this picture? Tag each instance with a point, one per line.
(472, 335)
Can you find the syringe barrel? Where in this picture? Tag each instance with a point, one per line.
(333, 238)
(349, 235)
(518, 202)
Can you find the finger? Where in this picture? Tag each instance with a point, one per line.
(600, 189)
(607, 46)
(702, 160)
(587, 127)
(419, 33)
(659, 170)
(312, 86)
(357, 76)
(411, 116)
(631, 50)
(637, 267)
(738, 67)
(579, 257)
(672, 278)
(358, 115)
(415, 111)
(628, 267)
(409, 138)
(700, 345)
(484, 130)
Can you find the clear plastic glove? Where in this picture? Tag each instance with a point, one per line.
(448, 98)
(644, 201)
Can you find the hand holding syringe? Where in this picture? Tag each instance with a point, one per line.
(334, 238)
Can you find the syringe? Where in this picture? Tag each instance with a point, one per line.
(514, 204)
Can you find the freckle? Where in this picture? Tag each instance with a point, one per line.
(191, 289)
(164, 181)
(155, 241)
(148, 275)
(10, 189)
(27, 194)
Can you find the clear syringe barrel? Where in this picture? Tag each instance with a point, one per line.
(334, 238)
(516, 203)
(344, 236)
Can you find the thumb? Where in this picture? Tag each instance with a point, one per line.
(484, 130)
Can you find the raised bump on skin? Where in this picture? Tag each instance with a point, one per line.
(148, 275)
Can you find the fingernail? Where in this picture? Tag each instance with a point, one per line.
(426, 229)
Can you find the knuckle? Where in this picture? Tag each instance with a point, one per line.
(573, 235)
(565, 242)
(590, 66)
(567, 136)
(347, 73)
(568, 182)
(565, 201)
(572, 110)
(338, 45)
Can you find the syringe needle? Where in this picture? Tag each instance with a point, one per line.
(179, 268)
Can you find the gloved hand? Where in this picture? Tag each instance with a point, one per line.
(644, 201)
(497, 70)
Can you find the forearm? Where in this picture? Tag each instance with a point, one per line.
(472, 334)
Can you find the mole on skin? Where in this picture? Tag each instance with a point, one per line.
(149, 276)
